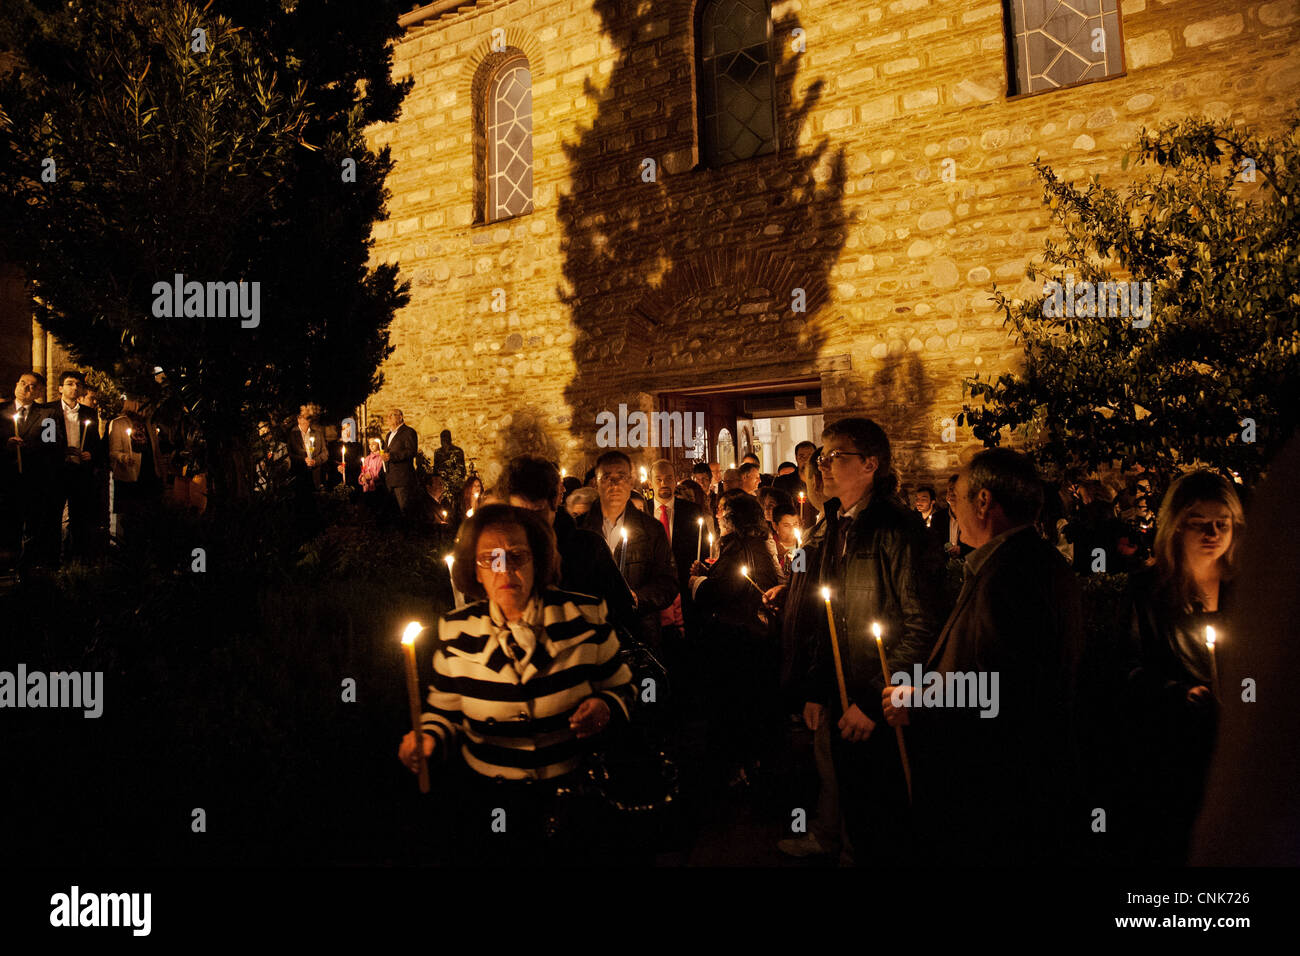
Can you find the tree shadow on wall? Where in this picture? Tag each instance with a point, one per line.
(690, 279)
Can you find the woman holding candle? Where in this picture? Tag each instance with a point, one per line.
(1168, 663)
(741, 650)
(522, 676)
(469, 497)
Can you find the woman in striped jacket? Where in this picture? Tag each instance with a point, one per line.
(522, 675)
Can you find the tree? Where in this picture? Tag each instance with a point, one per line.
(146, 140)
(1214, 378)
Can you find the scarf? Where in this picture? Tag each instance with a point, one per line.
(518, 639)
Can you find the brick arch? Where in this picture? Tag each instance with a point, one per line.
(480, 68)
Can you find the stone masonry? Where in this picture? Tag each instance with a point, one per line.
(614, 288)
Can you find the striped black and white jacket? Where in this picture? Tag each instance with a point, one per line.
(516, 726)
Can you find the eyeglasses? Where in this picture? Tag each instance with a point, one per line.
(616, 478)
(1207, 526)
(514, 559)
(828, 459)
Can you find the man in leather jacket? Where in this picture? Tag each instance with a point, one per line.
(872, 560)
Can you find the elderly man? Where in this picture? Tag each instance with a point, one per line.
(994, 778)
(400, 446)
(730, 479)
(637, 542)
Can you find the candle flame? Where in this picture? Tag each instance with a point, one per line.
(412, 632)
(623, 532)
(826, 594)
(470, 513)
(450, 561)
(700, 522)
(875, 629)
(1210, 636)
(744, 570)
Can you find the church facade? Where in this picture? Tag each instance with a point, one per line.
(760, 211)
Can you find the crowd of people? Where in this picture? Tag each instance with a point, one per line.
(967, 725)
(69, 480)
(763, 595)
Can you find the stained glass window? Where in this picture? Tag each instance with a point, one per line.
(1056, 43)
(510, 141)
(737, 85)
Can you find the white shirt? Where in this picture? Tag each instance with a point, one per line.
(613, 529)
(72, 424)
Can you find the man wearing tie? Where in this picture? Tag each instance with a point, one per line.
(680, 520)
(400, 446)
(85, 452)
(29, 472)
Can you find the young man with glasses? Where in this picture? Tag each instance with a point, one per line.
(871, 558)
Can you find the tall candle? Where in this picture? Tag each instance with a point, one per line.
(413, 694)
(699, 539)
(898, 731)
(1210, 638)
(455, 595)
(18, 448)
(622, 557)
(744, 572)
(710, 545)
(835, 651)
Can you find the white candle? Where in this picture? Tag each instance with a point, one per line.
(18, 448)
(413, 699)
(1210, 638)
(699, 539)
(622, 557)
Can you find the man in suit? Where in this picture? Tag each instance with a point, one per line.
(683, 523)
(32, 454)
(998, 789)
(400, 446)
(871, 559)
(307, 452)
(86, 453)
(586, 565)
(643, 556)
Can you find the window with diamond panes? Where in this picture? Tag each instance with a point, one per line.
(737, 85)
(1057, 43)
(510, 141)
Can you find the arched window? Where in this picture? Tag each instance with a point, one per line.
(510, 140)
(737, 84)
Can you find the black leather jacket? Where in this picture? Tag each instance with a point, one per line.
(881, 578)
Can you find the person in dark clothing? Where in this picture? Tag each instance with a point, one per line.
(996, 781)
(586, 566)
(637, 543)
(742, 650)
(872, 552)
(1174, 713)
(29, 476)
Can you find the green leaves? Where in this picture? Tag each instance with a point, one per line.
(1223, 260)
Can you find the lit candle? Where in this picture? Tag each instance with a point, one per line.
(798, 538)
(835, 651)
(456, 598)
(622, 556)
(898, 731)
(563, 474)
(18, 448)
(311, 446)
(1210, 638)
(643, 476)
(710, 545)
(413, 694)
(744, 572)
(699, 539)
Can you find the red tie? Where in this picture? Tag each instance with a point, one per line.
(671, 615)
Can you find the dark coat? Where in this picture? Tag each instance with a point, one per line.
(587, 567)
(725, 600)
(1171, 739)
(41, 459)
(881, 578)
(298, 454)
(399, 470)
(648, 567)
(1001, 790)
(686, 536)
